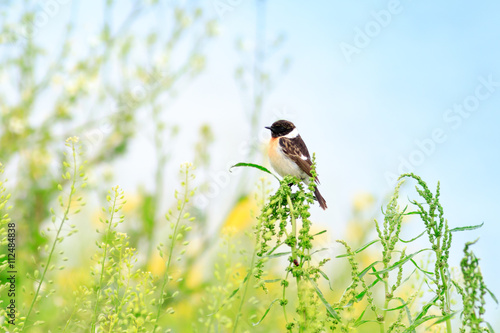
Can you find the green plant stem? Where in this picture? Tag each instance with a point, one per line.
(221, 296)
(169, 260)
(445, 286)
(65, 216)
(294, 227)
(119, 305)
(245, 290)
(284, 296)
(71, 316)
(386, 302)
(101, 278)
(294, 252)
(447, 294)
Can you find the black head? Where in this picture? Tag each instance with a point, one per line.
(281, 128)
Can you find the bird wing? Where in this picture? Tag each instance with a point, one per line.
(296, 149)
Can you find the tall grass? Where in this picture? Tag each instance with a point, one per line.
(281, 275)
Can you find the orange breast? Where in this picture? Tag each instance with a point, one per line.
(271, 148)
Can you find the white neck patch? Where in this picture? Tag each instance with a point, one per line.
(293, 134)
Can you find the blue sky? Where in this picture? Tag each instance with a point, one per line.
(390, 105)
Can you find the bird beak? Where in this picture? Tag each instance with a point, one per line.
(269, 128)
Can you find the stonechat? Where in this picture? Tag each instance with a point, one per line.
(289, 155)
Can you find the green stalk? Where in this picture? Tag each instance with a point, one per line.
(284, 305)
(238, 315)
(221, 296)
(101, 278)
(294, 252)
(172, 243)
(445, 286)
(386, 302)
(65, 216)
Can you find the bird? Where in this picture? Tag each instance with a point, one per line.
(288, 154)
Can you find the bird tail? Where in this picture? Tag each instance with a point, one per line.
(321, 200)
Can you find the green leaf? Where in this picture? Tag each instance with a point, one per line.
(280, 254)
(422, 270)
(364, 247)
(444, 318)
(489, 327)
(362, 294)
(370, 266)
(319, 233)
(326, 278)
(492, 295)
(400, 262)
(362, 322)
(408, 312)
(419, 322)
(359, 320)
(413, 239)
(420, 318)
(319, 250)
(396, 308)
(471, 227)
(260, 167)
(265, 313)
(329, 308)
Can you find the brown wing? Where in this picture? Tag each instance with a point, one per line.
(296, 149)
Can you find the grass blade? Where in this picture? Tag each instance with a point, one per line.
(443, 319)
(279, 254)
(363, 272)
(364, 247)
(326, 278)
(319, 233)
(492, 295)
(329, 308)
(470, 227)
(413, 239)
(252, 165)
(265, 313)
(400, 262)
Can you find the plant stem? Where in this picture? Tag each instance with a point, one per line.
(65, 216)
(250, 273)
(284, 305)
(446, 306)
(386, 302)
(447, 299)
(101, 278)
(294, 253)
(174, 237)
(445, 286)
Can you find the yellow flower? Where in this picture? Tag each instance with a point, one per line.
(241, 217)
(156, 265)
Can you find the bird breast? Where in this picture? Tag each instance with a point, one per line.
(281, 163)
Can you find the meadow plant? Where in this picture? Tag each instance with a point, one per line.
(179, 226)
(473, 293)
(284, 223)
(120, 289)
(284, 208)
(74, 175)
(390, 290)
(218, 294)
